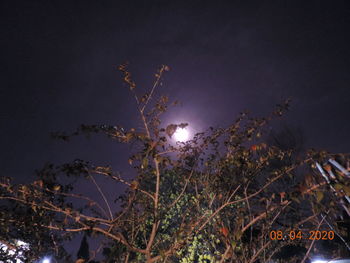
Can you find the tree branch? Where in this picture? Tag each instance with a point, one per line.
(103, 196)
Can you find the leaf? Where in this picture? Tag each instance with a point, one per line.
(254, 147)
(153, 144)
(319, 196)
(283, 195)
(224, 231)
(238, 234)
(338, 186)
(183, 125)
(134, 184)
(144, 163)
(233, 244)
(170, 129)
(327, 167)
(128, 136)
(346, 189)
(57, 187)
(39, 183)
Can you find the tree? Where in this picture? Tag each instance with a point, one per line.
(20, 227)
(214, 198)
(84, 252)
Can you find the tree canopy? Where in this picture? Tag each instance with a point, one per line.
(225, 195)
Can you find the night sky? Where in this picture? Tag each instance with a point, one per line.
(59, 63)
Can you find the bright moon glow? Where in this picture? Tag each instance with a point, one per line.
(46, 260)
(181, 134)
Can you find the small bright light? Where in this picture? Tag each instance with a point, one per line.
(181, 134)
(46, 260)
(319, 261)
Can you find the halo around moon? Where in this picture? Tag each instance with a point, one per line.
(181, 134)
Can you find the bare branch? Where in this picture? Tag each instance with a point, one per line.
(259, 251)
(119, 179)
(103, 196)
(158, 78)
(313, 241)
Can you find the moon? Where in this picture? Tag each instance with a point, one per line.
(46, 260)
(181, 134)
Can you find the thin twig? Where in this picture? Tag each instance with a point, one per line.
(119, 179)
(103, 196)
(158, 77)
(224, 256)
(217, 211)
(79, 196)
(259, 251)
(336, 232)
(313, 241)
(182, 192)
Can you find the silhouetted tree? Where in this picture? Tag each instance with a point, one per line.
(214, 198)
(84, 252)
